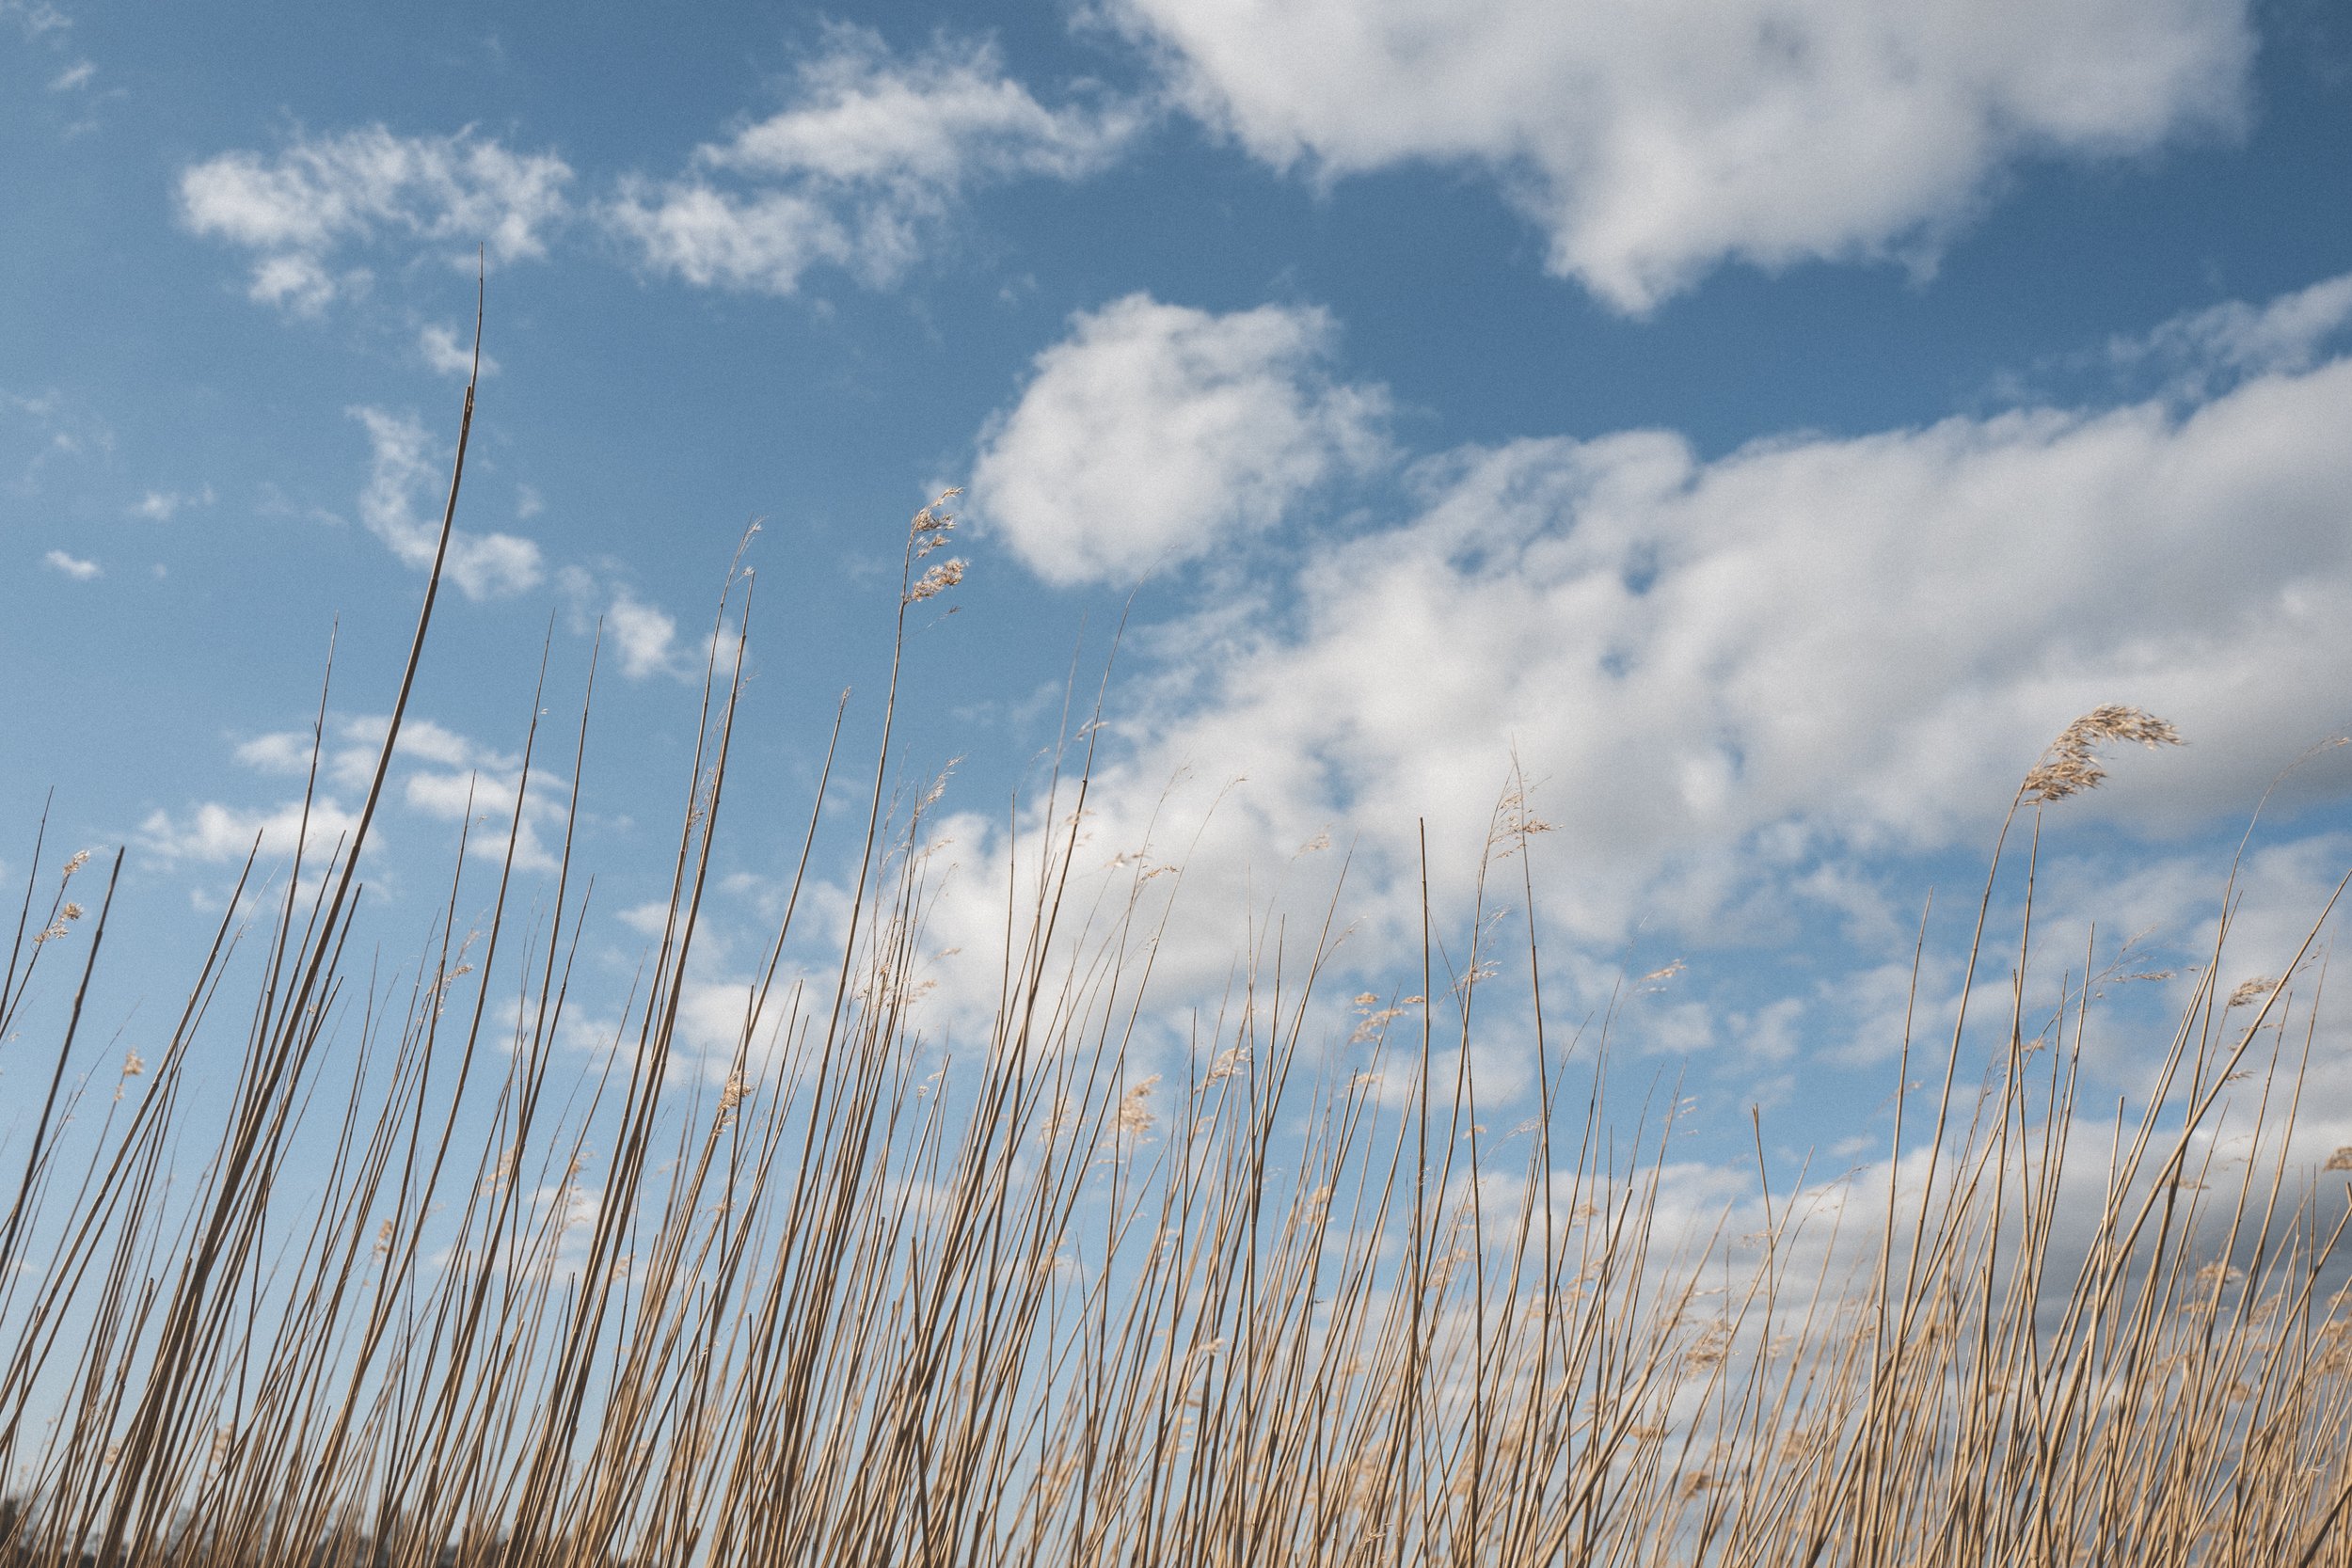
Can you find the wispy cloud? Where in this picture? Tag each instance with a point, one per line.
(73, 566)
(872, 156)
(457, 779)
(643, 637)
(2224, 342)
(448, 353)
(41, 428)
(36, 17)
(439, 773)
(213, 832)
(279, 752)
(1652, 142)
(861, 171)
(348, 751)
(488, 799)
(402, 468)
(304, 210)
(1155, 433)
(161, 506)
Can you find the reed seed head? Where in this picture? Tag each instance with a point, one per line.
(2070, 765)
(2250, 992)
(1135, 1112)
(937, 581)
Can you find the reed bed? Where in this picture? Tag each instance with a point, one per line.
(415, 1286)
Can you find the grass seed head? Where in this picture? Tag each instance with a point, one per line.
(2070, 765)
(937, 581)
(1135, 1112)
(2250, 992)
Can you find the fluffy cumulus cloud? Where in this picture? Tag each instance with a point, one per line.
(404, 475)
(871, 154)
(304, 210)
(1154, 432)
(1653, 139)
(1718, 677)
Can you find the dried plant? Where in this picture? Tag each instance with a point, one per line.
(2071, 766)
(407, 1288)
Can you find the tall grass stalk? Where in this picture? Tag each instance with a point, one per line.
(423, 1290)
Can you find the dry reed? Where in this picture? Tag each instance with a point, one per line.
(418, 1295)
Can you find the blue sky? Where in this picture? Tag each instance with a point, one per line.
(1769, 421)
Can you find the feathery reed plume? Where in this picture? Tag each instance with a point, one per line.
(2071, 766)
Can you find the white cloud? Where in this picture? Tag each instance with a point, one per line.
(44, 428)
(279, 752)
(402, 468)
(1719, 675)
(440, 773)
(648, 919)
(352, 746)
(872, 156)
(2237, 339)
(73, 77)
(35, 17)
(299, 210)
(73, 566)
(214, 833)
(1154, 432)
(642, 634)
(1654, 139)
(426, 741)
(421, 740)
(488, 799)
(160, 506)
(448, 354)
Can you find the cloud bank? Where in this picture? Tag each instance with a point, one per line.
(1734, 684)
(1653, 140)
(1650, 142)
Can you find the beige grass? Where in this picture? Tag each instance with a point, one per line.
(413, 1291)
